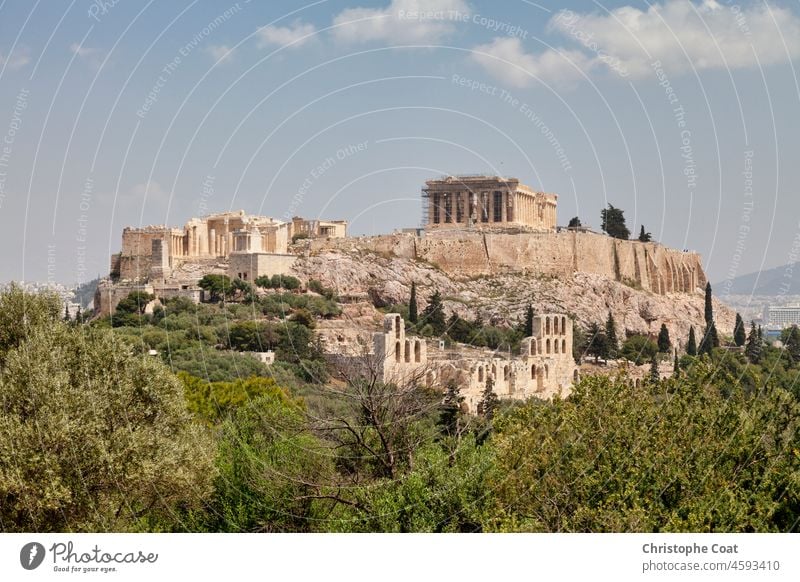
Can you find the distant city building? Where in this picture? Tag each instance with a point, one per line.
(781, 317)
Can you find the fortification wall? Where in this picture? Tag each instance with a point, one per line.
(466, 254)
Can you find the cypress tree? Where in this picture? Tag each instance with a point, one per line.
(691, 346)
(664, 343)
(529, 322)
(739, 334)
(490, 401)
(413, 315)
(645, 236)
(611, 336)
(753, 348)
(655, 376)
(709, 307)
(434, 314)
(676, 368)
(66, 312)
(710, 340)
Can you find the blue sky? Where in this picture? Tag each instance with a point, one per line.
(112, 114)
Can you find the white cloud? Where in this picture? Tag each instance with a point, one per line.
(295, 35)
(403, 21)
(220, 52)
(634, 38)
(92, 56)
(505, 58)
(17, 59)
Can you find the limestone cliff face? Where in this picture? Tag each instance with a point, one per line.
(469, 254)
(500, 291)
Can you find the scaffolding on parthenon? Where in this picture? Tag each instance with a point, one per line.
(426, 202)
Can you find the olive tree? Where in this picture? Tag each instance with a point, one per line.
(94, 437)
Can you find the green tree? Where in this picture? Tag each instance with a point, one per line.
(67, 318)
(213, 402)
(664, 342)
(243, 290)
(612, 221)
(218, 286)
(753, 348)
(449, 420)
(655, 375)
(691, 345)
(413, 310)
(597, 343)
(95, 437)
(792, 343)
(529, 321)
(709, 306)
(249, 336)
(645, 236)
(130, 311)
(22, 312)
(611, 336)
(272, 470)
(739, 333)
(285, 282)
(574, 222)
(444, 492)
(710, 340)
(433, 314)
(627, 471)
(489, 401)
(639, 349)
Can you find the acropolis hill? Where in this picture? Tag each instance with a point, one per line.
(489, 245)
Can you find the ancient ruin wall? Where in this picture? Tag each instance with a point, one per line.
(467, 254)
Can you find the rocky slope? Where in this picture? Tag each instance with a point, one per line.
(502, 298)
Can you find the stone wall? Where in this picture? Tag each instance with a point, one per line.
(545, 366)
(251, 266)
(108, 295)
(468, 254)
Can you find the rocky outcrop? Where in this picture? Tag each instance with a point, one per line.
(503, 297)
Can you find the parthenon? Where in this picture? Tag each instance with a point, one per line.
(487, 201)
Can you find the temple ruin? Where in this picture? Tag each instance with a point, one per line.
(486, 202)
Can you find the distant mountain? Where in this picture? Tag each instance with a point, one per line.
(783, 280)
